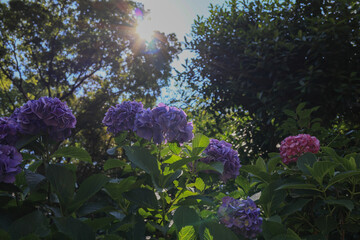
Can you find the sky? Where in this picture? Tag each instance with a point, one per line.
(176, 16)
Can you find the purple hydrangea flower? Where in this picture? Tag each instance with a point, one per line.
(241, 216)
(144, 124)
(45, 115)
(122, 116)
(10, 160)
(164, 124)
(220, 151)
(8, 131)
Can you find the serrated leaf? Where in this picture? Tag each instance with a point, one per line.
(73, 152)
(113, 163)
(260, 163)
(342, 176)
(175, 148)
(178, 164)
(185, 216)
(142, 197)
(307, 159)
(63, 182)
(298, 186)
(219, 231)
(187, 233)
(199, 144)
(294, 206)
(116, 189)
(33, 179)
(87, 189)
(214, 166)
(256, 172)
(321, 169)
(199, 184)
(341, 202)
(34, 222)
(74, 229)
(143, 159)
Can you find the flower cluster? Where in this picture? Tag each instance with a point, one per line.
(122, 117)
(45, 115)
(161, 124)
(220, 151)
(293, 147)
(242, 216)
(8, 131)
(10, 160)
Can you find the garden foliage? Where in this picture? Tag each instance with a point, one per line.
(168, 184)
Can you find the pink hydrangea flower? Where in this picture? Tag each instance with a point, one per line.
(293, 147)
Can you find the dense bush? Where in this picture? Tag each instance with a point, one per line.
(163, 186)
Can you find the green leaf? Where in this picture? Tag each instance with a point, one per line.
(185, 216)
(219, 231)
(175, 148)
(199, 184)
(33, 180)
(260, 163)
(205, 234)
(34, 222)
(290, 113)
(243, 183)
(169, 179)
(137, 232)
(294, 206)
(308, 159)
(326, 224)
(73, 152)
(142, 197)
(120, 138)
(321, 169)
(187, 233)
(199, 144)
(88, 188)
(257, 172)
(22, 142)
(178, 164)
(143, 159)
(342, 202)
(271, 229)
(116, 189)
(298, 186)
(74, 228)
(4, 235)
(63, 182)
(272, 163)
(342, 176)
(113, 163)
(214, 166)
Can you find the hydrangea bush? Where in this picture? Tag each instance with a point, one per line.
(163, 182)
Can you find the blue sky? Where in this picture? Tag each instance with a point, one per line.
(176, 16)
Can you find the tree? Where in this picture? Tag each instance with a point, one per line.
(85, 52)
(259, 58)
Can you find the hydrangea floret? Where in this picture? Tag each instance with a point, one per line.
(221, 151)
(293, 147)
(122, 117)
(241, 216)
(8, 131)
(45, 115)
(10, 160)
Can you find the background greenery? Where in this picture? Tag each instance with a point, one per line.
(263, 70)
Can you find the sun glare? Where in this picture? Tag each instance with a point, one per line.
(145, 29)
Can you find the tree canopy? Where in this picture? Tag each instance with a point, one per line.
(54, 48)
(258, 58)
